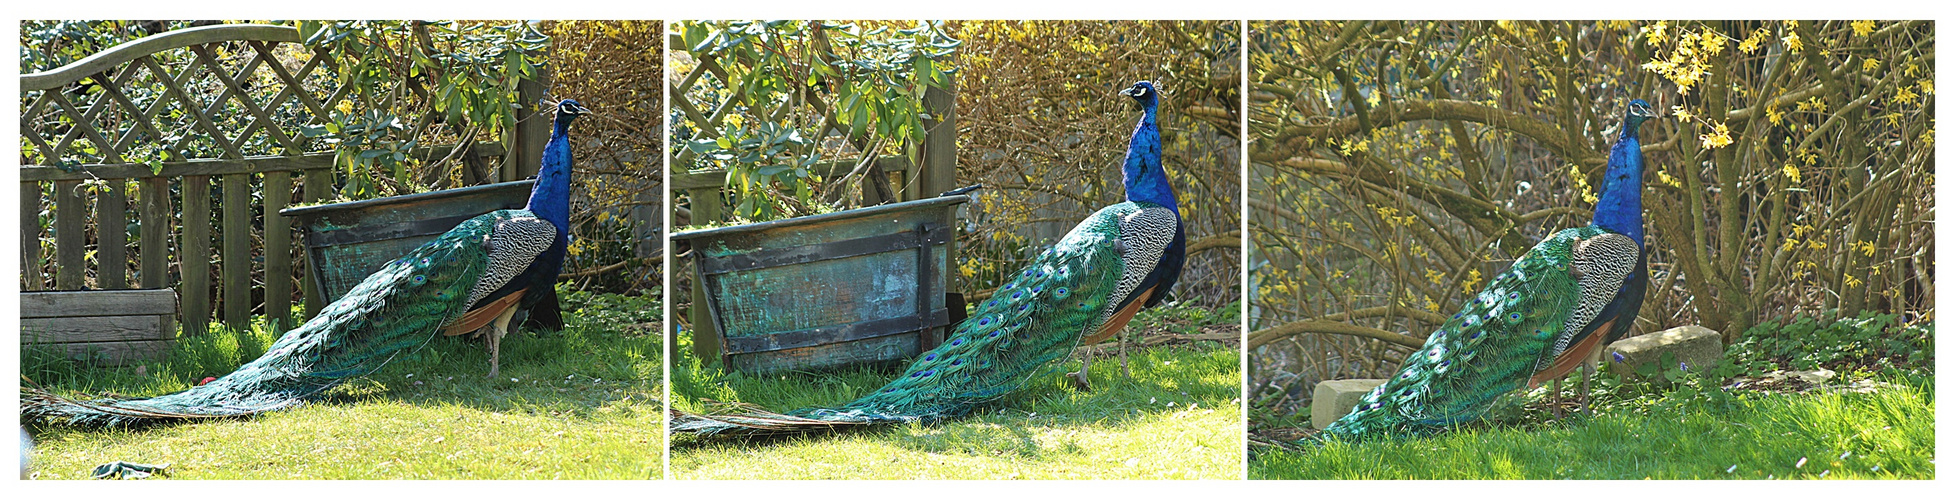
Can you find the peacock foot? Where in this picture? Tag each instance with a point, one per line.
(1079, 380)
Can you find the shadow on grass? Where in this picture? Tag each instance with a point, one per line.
(1202, 375)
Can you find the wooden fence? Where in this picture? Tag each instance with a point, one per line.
(176, 114)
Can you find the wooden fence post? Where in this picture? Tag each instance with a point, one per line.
(318, 187)
(193, 255)
(532, 130)
(112, 236)
(30, 238)
(155, 237)
(236, 257)
(69, 223)
(278, 252)
(938, 173)
(706, 208)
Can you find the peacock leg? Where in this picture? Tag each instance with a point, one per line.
(1554, 399)
(1587, 370)
(1124, 370)
(1079, 377)
(496, 331)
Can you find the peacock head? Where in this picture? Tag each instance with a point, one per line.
(1143, 93)
(1639, 110)
(570, 109)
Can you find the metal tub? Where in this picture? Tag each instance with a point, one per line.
(856, 286)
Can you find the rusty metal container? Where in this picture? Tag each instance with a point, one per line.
(345, 242)
(855, 286)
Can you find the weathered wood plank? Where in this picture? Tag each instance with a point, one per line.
(278, 250)
(193, 255)
(97, 303)
(70, 222)
(92, 329)
(236, 258)
(707, 205)
(706, 208)
(155, 232)
(533, 132)
(112, 237)
(115, 353)
(227, 166)
(30, 237)
(705, 334)
(318, 186)
(826, 355)
(938, 172)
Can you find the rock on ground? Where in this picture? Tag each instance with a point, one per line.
(1696, 347)
(1335, 398)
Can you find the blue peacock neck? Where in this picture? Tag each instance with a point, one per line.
(1620, 209)
(1143, 176)
(550, 198)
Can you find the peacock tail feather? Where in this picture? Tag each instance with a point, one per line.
(395, 310)
(1037, 318)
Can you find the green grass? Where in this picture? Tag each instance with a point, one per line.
(1179, 417)
(576, 404)
(1887, 434)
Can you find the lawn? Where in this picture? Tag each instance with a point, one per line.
(580, 403)
(1178, 417)
(1886, 434)
(1876, 421)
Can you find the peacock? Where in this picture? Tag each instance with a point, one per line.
(1084, 288)
(471, 279)
(1553, 310)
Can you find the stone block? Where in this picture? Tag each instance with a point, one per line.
(1335, 398)
(1695, 346)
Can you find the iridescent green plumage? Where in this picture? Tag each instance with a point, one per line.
(1017, 333)
(397, 309)
(1488, 349)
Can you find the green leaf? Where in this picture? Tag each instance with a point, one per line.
(308, 31)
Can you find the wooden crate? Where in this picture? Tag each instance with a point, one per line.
(345, 242)
(855, 286)
(107, 327)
